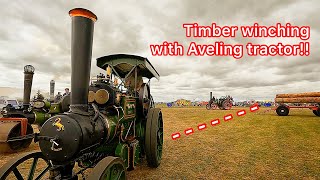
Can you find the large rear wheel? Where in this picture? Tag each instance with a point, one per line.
(144, 98)
(282, 110)
(154, 137)
(316, 112)
(227, 104)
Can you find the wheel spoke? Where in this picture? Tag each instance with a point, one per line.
(33, 168)
(119, 174)
(160, 133)
(11, 167)
(114, 172)
(17, 174)
(159, 152)
(42, 173)
(108, 174)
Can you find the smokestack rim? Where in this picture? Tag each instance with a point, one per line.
(28, 69)
(83, 13)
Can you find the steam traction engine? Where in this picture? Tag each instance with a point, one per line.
(110, 126)
(16, 132)
(223, 103)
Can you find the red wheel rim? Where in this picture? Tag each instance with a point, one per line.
(229, 105)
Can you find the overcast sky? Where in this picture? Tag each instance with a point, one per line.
(38, 33)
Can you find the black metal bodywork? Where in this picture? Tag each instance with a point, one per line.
(28, 77)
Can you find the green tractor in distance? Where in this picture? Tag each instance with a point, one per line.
(16, 122)
(223, 103)
(110, 127)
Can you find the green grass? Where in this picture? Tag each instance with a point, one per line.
(255, 146)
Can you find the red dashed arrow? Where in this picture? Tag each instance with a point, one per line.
(228, 117)
(215, 122)
(254, 108)
(189, 131)
(175, 136)
(202, 126)
(241, 113)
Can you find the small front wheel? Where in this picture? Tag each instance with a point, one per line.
(214, 106)
(109, 168)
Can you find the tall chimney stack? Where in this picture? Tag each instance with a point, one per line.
(210, 95)
(81, 52)
(52, 84)
(28, 77)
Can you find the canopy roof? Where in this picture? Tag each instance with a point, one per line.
(123, 63)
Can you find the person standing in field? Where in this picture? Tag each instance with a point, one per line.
(58, 97)
(67, 92)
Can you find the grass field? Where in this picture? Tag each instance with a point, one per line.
(255, 146)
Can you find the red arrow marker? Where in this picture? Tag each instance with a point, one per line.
(254, 108)
(175, 136)
(202, 126)
(228, 117)
(241, 113)
(215, 122)
(189, 131)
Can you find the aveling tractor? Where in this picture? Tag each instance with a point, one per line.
(110, 126)
(223, 103)
(16, 132)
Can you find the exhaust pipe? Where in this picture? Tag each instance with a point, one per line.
(81, 53)
(210, 95)
(28, 77)
(52, 83)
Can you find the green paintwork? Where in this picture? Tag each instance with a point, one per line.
(108, 148)
(140, 133)
(112, 125)
(140, 130)
(130, 108)
(55, 108)
(128, 104)
(122, 151)
(47, 104)
(41, 117)
(137, 151)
